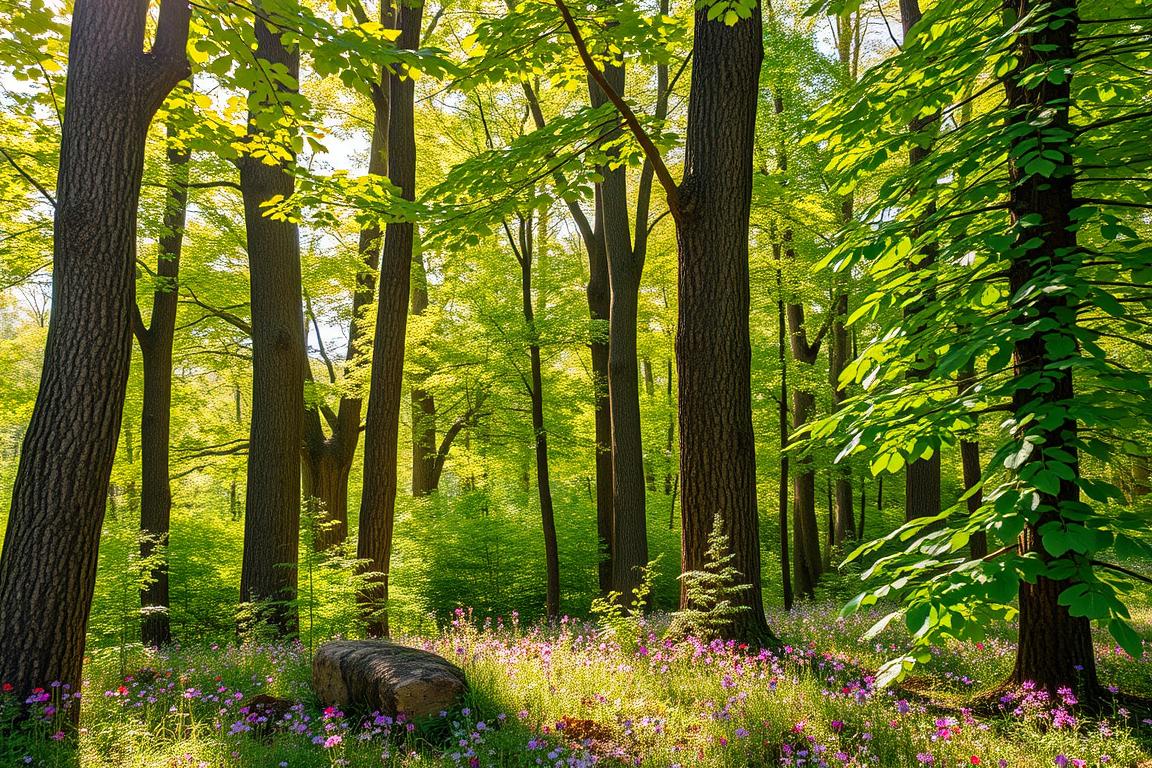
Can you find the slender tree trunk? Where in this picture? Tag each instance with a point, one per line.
(598, 308)
(713, 352)
(327, 459)
(48, 562)
(378, 501)
(921, 476)
(1054, 648)
(970, 465)
(423, 402)
(650, 393)
(524, 254)
(272, 505)
(782, 410)
(156, 416)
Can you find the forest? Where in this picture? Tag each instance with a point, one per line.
(420, 383)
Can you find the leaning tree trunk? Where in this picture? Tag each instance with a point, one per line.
(48, 563)
(156, 414)
(1054, 648)
(378, 499)
(713, 351)
(268, 574)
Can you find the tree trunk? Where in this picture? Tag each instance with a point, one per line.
(921, 476)
(524, 252)
(807, 565)
(650, 393)
(625, 266)
(327, 459)
(970, 465)
(423, 403)
(48, 563)
(713, 352)
(1054, 648)
(782, 411)
(378, 501)
(156, 414)
(272, 505)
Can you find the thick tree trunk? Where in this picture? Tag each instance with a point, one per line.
(48, 563)
(156, 415)
(1054, 648)
(378, 501)
(272, 503)
(713, 352)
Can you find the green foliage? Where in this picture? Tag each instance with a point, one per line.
(625, 623)
(711, 592)
(958, 311)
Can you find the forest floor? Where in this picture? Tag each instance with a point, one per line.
(568, 696)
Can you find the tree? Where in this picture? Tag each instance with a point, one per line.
(272, 503)
(378, 499)
(1023, 281)
(156, 339)
(711, 208)
(47, 568)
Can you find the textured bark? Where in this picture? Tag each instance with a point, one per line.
(921, 476)
(156, 413)
(368, 676)
(625, 267)
(268, 574)
(423, 403)
(48, 563)
(650, 394)
(713, 352)
(378, 500)
(1054, 649)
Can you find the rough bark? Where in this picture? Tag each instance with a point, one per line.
(625, 267)
(48, 563)
(713, 351)
(268, 574)
(368, 676)
(156, 413)
(1054, 649)
(378, 500)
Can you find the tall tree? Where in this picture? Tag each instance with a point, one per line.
(922, 476)
(424, 449)
(48, 563)
(328, 457)
(272, 500)
(378, 499)
(711, 207)
(155, 341)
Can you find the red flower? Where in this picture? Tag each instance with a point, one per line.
(122, 690)
(7, 687)
(974, 760)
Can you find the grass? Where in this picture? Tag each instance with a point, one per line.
(569, 696)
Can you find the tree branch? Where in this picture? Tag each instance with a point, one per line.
(28, 177)
(651, 152)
